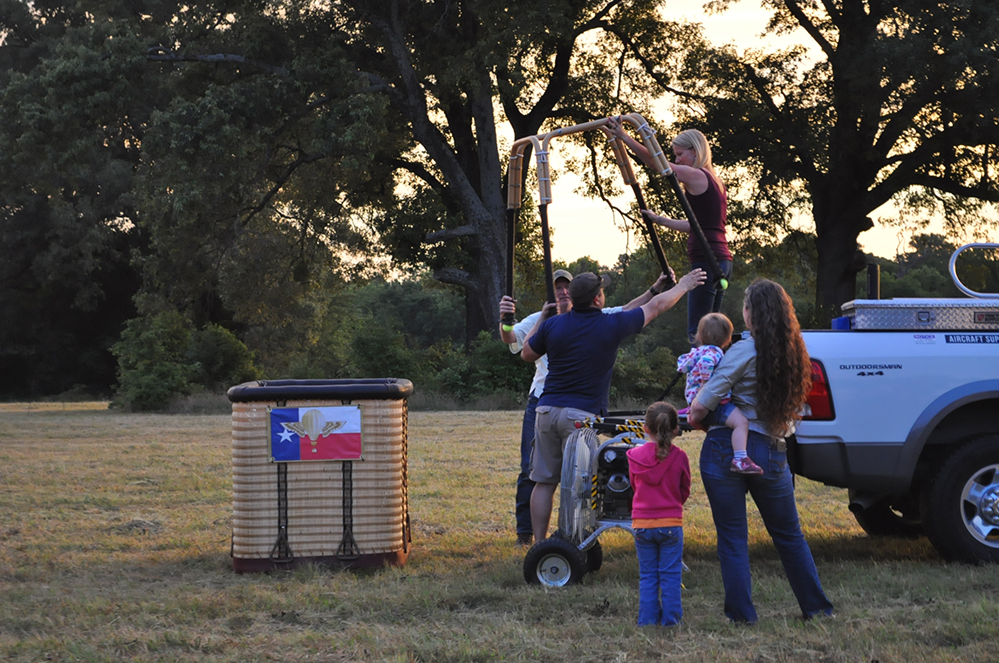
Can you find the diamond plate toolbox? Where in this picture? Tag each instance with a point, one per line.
(917, 314)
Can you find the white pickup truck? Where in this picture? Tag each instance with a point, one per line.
(904, 412)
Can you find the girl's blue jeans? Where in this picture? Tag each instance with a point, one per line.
(773, 493)
(660, 560)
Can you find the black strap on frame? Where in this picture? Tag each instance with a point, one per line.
(281, 552)
(348, 546)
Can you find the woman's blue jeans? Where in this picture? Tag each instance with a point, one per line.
(773, 492)
(705, 298)
(660, 561)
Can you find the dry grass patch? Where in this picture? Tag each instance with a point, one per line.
(114, 544)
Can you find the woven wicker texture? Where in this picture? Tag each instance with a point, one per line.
(315, 504)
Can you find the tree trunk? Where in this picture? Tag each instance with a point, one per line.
(484, 280)
(494, 258)
(839, 220)
(471, 169)
(483, 294)
(839, 262)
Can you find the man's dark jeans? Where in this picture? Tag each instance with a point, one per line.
(524, 484)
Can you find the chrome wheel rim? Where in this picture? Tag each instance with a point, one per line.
(554, 571)
(980, 505)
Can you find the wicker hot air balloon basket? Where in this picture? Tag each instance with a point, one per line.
(334, 512)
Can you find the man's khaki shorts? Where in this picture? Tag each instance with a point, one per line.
(552, 428)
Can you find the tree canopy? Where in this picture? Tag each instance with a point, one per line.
(244, 155)
(895, 102)
(241, 162)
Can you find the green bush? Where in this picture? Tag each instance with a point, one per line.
(382, 352)
(643, 376)
(923, 281)
(163, 356)
(443, 366)
(492, 368)
(221, 359)
(153, 363)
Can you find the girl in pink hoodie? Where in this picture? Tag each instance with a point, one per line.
(660, 477)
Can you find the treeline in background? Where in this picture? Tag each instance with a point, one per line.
(195, 194)
(411, 327)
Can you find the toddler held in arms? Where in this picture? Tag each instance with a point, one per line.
(714, 335)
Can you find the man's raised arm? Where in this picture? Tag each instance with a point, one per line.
(667, 300)
(657, 289)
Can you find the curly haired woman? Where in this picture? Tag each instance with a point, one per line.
(769, 376)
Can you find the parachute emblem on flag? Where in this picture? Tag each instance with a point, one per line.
(315, 433)
(313, 425)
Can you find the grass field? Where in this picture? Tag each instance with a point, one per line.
(114, 545)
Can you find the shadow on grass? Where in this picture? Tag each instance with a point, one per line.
(879, 549)
(850, 547)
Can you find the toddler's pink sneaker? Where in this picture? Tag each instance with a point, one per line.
(745, 466)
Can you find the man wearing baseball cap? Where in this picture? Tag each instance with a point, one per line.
(516, 338)
(581, 347)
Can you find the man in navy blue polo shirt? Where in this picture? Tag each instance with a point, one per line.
(581, 346)
(516, 337)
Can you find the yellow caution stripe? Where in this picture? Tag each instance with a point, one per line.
(626, 426)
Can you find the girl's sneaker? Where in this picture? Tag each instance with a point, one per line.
(745, 466)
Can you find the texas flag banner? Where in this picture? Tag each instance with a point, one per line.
(315, 433)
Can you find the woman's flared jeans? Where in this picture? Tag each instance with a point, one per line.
(773, 493)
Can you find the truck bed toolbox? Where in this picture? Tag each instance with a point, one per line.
(918, 314)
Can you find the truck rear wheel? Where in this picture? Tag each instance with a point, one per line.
(962, 503)
(896, 515)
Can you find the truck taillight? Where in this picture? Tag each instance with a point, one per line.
(819, 406)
